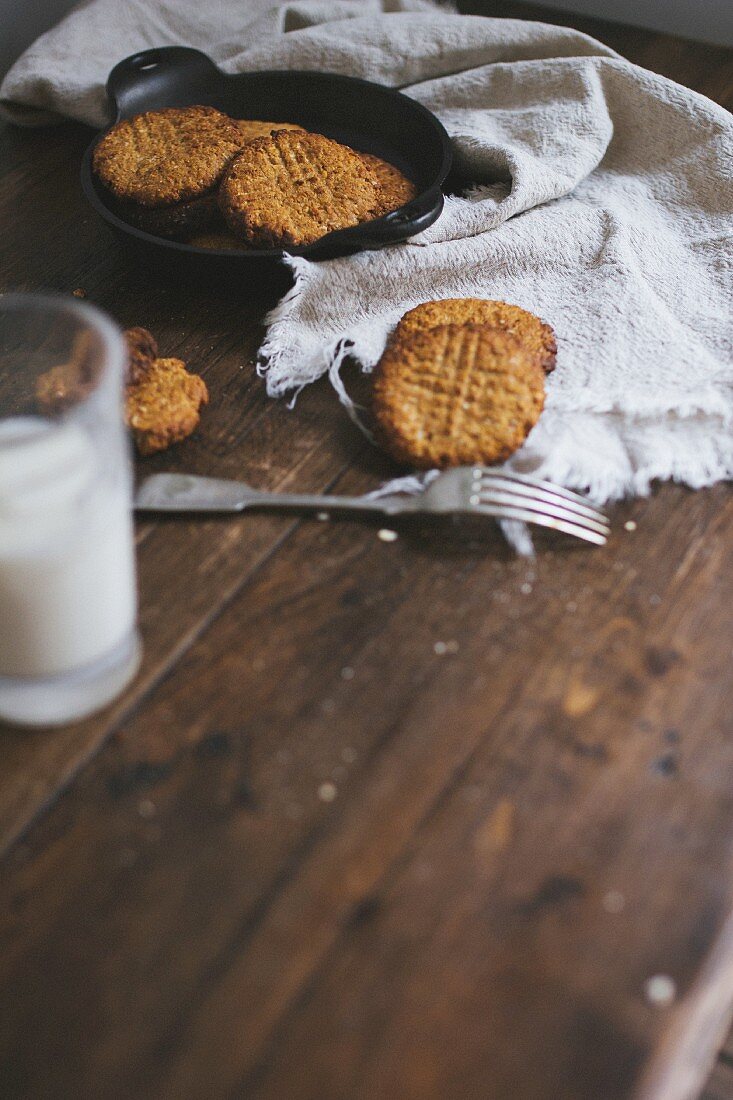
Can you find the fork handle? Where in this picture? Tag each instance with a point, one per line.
(189, 493)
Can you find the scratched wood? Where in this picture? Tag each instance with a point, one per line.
(408, 819)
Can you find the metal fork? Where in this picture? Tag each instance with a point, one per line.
(465, 490)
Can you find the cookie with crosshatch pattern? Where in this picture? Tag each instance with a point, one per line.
(292, 188)
(533, 333)
(456, 395)
(396, 189)
(168, 156)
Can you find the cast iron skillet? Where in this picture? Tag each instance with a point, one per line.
(369, 117)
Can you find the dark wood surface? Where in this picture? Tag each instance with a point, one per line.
(308, 854)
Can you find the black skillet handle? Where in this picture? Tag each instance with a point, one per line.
(170, 76)
(415, 216)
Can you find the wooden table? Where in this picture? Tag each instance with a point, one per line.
(378, 820)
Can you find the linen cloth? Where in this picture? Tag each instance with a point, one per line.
(602, 201)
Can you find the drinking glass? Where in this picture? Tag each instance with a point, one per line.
(68, 600)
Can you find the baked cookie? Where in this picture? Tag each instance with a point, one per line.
(176, 221)
(163, 407)
(169, 156)
(251, 128)
(142, 348)
(58, 388)
(533, 333)
(220, 241)
(396, 189)
(67, 384)
(456, 395)
(293, 187)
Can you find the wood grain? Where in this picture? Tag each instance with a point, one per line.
(720, 1084)
(410, 819)
(186, 570)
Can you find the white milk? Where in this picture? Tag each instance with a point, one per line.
(67, 569)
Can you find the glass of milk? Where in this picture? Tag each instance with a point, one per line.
(68, 600)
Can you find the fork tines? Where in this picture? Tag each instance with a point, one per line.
(534, 483)
(514, 496)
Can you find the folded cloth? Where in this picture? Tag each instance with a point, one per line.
(602, 202)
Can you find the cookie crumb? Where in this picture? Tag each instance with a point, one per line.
(660, 990)
(327, 792)
(614, 901)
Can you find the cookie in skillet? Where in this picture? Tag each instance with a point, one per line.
(173, 155)
(220, 240)
(456, 395)
(396, 188)
(176, 221)
(251, 128)
(293, 187)
(530, 330)
(162, 408)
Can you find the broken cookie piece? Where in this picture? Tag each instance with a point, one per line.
(67, 384)
(142, 348)
(163, 407)
(58, 389)
(162, 399)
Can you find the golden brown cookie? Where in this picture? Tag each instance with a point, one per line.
(169, 156)
(67, 384)
(530, 330)
(60, 388)
(221, 241)
(163, 408)
(396, 188)
(142, 349)
(292, 188)
(251, 128)
(56, 389)
(174, 222)
(456, 395)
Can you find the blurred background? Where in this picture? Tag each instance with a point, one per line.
(705, 20)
